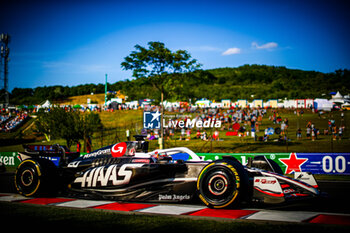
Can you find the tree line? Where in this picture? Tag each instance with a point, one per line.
(72, 126)
(244, 82)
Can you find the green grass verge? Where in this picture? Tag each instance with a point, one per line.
(34, 217)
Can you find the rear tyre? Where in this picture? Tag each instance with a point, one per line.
(223, 183)
(36, 177)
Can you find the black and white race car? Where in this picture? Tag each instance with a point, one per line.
(126, 171)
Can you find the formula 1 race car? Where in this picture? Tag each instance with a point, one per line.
(126, 171)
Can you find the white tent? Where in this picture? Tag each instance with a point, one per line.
(168, 104)
(132, 104)
(203, 103)
(272, 103)
(337, 98)
(323, 104)
(47, 104)
(290, 104)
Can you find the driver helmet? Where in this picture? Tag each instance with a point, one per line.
(158, 156)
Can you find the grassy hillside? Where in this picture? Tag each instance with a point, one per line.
(245, 82)
(81, 99)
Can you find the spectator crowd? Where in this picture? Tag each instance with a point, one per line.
(9, 122)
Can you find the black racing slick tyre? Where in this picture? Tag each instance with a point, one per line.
(223, 184)
(36, 177)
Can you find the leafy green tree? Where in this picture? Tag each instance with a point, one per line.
(43, 124)
(90, 123)
(69, 125)
(58, 123)
(156, 63)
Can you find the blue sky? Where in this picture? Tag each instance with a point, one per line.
(78, 42)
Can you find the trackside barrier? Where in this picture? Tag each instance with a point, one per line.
(316, 163)
(9, 159)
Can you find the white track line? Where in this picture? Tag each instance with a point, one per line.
(9, 197)
(284, 216)
(171, 209)
(83, 203)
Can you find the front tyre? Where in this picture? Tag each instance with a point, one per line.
(223, 183)
(35, 177)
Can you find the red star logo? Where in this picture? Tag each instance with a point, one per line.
(293, 163)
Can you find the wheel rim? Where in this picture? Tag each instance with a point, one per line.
(217, 184)
(27, 178)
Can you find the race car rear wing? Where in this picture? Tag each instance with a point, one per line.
(56, 153)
